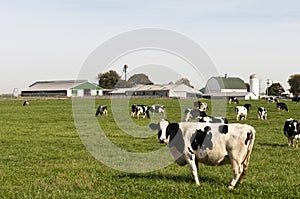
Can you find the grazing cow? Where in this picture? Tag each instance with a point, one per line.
(272, 99)
(25, 103)
(208, 119)
(262, 113)
(140, 110)
(101, 110)
(248, 107)
(233, 100)
(296, 99)
(213, 144)
(281, 106)
(291, 130)
(241, 113)
(193, 114)
(157, 109)
(201, 105)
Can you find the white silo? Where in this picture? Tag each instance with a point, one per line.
(254, 86)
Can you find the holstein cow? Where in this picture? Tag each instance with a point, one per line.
(262, 113)
(296, 99)
(140, 110)
(201, 105)
(214, 145)
(281, 106)
(233, 100)
(272, 99)
(291, 130)
(101, 110)
(193, 114)
(241, 113)
(209, 119)
(25, 103)
(157, 109)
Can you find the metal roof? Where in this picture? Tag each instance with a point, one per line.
(54, 85)
(230, 82)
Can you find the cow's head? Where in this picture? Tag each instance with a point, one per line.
(166, 130)
(292, 126)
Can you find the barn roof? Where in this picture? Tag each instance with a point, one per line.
(230, 83)
(60, 85)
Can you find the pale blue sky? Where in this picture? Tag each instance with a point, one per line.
(49, 40)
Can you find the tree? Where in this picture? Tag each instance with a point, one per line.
(108, 79)
(294, 83)
(139, 79)
(275, 89)
(185, 81)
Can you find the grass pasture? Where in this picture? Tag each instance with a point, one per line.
(42, 156)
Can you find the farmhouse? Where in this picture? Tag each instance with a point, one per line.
(159, 90)
(64, 88)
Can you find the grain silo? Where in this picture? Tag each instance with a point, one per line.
(254, 86)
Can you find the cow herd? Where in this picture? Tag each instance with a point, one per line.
(211, 140)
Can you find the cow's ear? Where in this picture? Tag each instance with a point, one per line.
(223, 129)
(154, 126)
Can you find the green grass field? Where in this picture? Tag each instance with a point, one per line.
(42, 156)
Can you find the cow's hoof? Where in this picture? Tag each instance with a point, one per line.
(230, 187)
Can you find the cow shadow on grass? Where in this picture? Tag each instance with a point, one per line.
(171, 177)
(273, 145)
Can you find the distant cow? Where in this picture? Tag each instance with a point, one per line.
(208, 119)
(140, 110)
(214, 145)
(262, 113)
(241, 113)
(248, 107)
(25, 103)
(193, 114)
(201, 105)
(272, 99)
(296, 99)
(157, 109)
(101, 110)
(291, 130)
(233, 100)
(281, 106)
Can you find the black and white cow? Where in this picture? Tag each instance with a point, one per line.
(272, 99)
(101, 110)
(291, 130)
(157, 109)
(233, 100)
(241, 113)
(296, 99)
(140, 110)
(25, 103)
(201, 105)
(282, 106)
(262, 113)
(193, 114)
(248, 107)
(209, 119)
(214, 145)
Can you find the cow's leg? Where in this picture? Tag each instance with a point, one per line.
(191, 160)
(237, 169)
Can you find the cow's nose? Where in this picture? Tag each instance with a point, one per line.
(161, 141)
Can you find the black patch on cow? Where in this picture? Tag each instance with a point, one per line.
(199, 138)
(249, 137)
(223, 129)
(172, 130)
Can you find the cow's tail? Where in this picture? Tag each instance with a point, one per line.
(250, 143)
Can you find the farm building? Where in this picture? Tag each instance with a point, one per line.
(159, 90)
(220, 87)
(64, 88)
